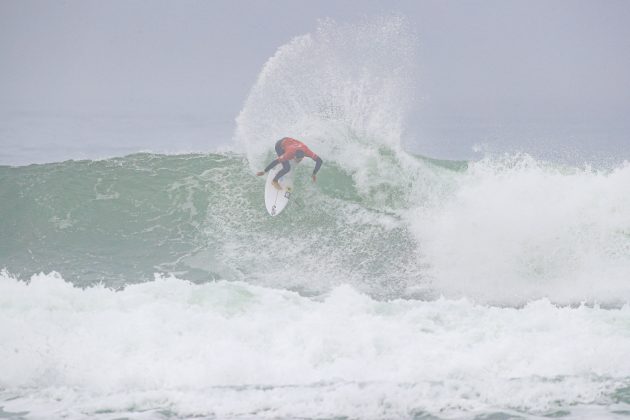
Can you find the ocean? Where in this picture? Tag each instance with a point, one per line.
(153, 285)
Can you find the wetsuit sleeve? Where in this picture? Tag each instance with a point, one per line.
(318, 164)
(272, 164)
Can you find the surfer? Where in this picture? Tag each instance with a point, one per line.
(287, 149)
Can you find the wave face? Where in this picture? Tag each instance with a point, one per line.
(396, 286)
(501, 231)
(203, 217)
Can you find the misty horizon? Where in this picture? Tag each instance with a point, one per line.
(511, 76)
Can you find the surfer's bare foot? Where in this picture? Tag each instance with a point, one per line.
(276, 184)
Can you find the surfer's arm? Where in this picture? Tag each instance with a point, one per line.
(318, 164)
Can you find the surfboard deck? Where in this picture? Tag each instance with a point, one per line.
(276, 200)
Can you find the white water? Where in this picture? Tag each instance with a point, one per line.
(516, 229)
(233, 349)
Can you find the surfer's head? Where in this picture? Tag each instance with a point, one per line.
(299, 155)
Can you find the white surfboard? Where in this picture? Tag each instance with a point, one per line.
(276, 200)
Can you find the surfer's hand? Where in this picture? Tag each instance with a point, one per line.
(314, 178)
(261, 173)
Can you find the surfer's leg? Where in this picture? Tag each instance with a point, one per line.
(279, 148)
(285, 168)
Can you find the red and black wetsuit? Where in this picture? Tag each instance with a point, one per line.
(286, 149)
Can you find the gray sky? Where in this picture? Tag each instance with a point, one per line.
(489, 71)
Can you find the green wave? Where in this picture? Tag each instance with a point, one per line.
(120, 220)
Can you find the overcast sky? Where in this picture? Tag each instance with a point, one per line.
(504, 64)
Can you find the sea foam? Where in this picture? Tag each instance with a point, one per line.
(234, 349)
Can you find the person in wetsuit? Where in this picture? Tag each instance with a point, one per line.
(287, 149)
